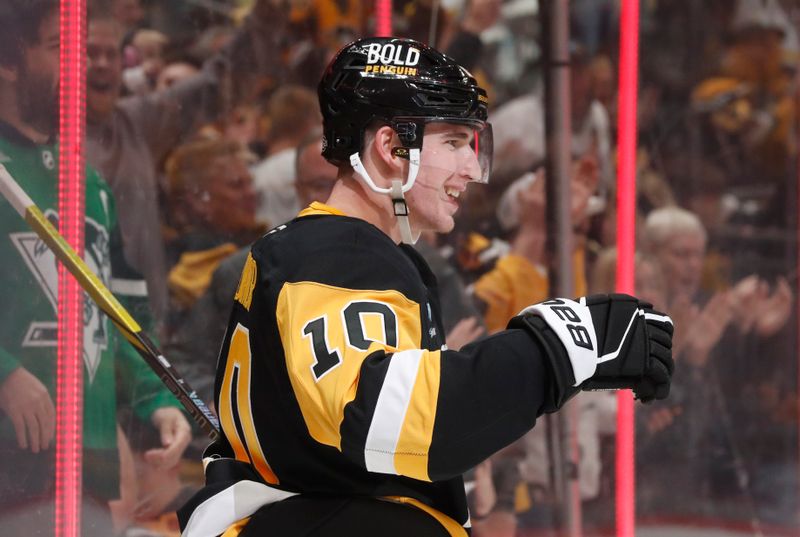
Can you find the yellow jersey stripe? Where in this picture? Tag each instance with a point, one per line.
(413, 446)
(239, 360)
(453, 528)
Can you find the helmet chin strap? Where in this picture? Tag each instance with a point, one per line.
(397, 191)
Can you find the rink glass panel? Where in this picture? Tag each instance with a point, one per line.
(722, 450)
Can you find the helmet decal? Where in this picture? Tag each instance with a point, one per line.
(398, 59)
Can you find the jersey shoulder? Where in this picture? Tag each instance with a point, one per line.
(336, 250)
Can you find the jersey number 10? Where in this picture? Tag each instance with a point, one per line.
(355, 330)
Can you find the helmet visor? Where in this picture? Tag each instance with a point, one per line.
(483, 146)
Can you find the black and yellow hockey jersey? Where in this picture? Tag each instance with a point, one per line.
(333, 380)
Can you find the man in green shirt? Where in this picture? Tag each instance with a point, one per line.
(114, 375)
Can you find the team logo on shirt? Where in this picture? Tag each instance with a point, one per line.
(43, 265)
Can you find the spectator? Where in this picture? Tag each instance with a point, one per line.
(461, 319)
(519, 131)
(315, 175)
(708, 331)
(595, 422)
(482, 497)
(127, 138)
(293, 113)
(746, 111)
(129, 13)
(242, 127)
(206, 179)
(144, 61)
(650, 283)
(194, 343)
(330, 16)
(174, 73)
(466, 46)
(520, 277)
(29, 61)
(212, 206)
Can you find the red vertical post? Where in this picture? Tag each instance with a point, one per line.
(383, 18)
(626, 236)
(71, 172)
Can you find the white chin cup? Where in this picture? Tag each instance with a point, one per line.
(397, 191)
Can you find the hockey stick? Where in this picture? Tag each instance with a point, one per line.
(108, 304)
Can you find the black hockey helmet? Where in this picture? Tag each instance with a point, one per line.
(404, 84)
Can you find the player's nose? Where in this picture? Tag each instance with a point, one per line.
(470, 168)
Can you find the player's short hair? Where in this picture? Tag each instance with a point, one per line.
(662, 224)
(21, 22)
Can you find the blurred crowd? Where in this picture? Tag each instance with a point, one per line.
(203, 118)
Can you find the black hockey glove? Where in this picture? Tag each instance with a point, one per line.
(602, 342)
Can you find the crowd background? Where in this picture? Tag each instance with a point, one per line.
(202, 117)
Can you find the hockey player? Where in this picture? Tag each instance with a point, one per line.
(342, 411)
(29, 56)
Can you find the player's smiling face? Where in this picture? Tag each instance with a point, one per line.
(447, 164)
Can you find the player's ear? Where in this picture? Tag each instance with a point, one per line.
(383, 143)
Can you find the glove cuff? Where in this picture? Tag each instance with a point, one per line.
(572, 323)
(556, 357)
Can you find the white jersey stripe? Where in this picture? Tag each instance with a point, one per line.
(390, 411)
(240, 500)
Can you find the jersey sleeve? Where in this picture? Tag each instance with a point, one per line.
(367, 386)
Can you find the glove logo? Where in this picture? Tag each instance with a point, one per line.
(572, 323)
(578, 332)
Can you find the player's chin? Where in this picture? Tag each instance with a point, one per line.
(445, 225)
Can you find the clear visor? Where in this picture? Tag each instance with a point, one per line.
(483, 147)
(466, 149)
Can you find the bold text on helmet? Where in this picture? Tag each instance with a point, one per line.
(410, 71)
(392, 54)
